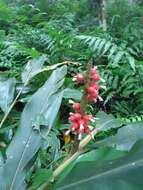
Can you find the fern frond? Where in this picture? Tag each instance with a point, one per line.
(132, 119)
(103, 47)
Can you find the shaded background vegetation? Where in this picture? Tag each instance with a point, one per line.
(78, 31)
(70, 30)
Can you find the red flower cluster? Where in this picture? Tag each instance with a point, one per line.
(80, 121)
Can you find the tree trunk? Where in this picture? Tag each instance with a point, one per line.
(102, 14)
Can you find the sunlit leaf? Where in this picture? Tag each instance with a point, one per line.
(33, 67)
(7, 89)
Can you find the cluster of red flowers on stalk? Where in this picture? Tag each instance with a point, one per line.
(80, 121)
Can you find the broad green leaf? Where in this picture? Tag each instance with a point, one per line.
(7, 89)
(27, 141)
(40, 75)
(124, 173)
(72, 93)
(33, 67)
(106, 121)
(104, 153)
(125, 138)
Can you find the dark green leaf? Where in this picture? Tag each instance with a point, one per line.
(40, 177)
(107, 121)
(124, 173)
(125, 138)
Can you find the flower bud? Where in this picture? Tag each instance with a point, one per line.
(90, 90)
(87, 118)
(76, 107)
(79, 78)
(95, 77)
(72, 118)
(95, 94)
(93, 71)
(91, 98)
(77, 116)
(95, 86)
(74, 126)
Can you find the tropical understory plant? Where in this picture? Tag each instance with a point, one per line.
(60, 128)
(115, 158)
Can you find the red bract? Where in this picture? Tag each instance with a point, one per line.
(93, 71)
(77, 107)
(74, 126)
(79, 78)
(72, 118)
(95, 77)
(90, 90)
(77, 116)
(91, 99)
(87, 131)
(87, 118)
(95, 86)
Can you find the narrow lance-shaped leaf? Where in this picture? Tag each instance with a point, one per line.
(7, 89)
(45, 104)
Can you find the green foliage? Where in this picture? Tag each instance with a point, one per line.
(114, 53)
(37, 37)
(40, 177)
(125, 138)
(26, 142)
(106, 161)
(124, 173)
(7, 89)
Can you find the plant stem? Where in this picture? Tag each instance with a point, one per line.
(10, 108)
(67, 162)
